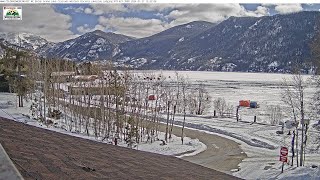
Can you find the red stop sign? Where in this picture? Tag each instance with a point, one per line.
(283, 158)
(284, 151)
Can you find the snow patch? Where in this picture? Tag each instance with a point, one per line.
(181, 39)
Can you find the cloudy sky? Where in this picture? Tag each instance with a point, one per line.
(61, 22)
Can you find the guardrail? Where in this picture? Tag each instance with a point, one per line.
(8, 170)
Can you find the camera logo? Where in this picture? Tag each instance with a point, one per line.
(12, 13)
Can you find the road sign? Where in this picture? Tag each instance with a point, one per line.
(283, 159)
(283, 156)
(284, 151)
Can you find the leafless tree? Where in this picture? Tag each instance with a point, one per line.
(199, 100)
(275, 114)
(294, 97)
(185, 85)
(220, 106)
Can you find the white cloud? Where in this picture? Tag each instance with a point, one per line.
(180, 14)
(264, 11)
(150, 7)
(288, 8)
(78, 10)
(268, 4)
(41, 20)
(99, 9)
(99, 27)
(84, 29)
(88, 11)
(211, 12)
(135, 27)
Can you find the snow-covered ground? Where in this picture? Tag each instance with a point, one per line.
(8, 109)
(259, 141)
(266, 89)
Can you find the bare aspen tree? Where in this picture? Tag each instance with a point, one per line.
(293, 96)
(275, 114)
(176, 97)
(168, 100)
(200, 100)
(184, 90)
(220, 106)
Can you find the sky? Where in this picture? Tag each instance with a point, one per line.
(60, 22)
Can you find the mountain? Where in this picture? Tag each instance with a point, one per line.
(25, 40)
(96, 45)
(264, 44)
(250, 44)
(151, 51)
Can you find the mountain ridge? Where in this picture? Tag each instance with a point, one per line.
(248, 44)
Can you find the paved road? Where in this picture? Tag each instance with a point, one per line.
(222, 154)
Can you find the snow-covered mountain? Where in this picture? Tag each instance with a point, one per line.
(25, 40)
(151, 51)
(266, 44)
(255, 44)
(96, 45)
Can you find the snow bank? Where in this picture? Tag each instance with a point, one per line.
(301, 173)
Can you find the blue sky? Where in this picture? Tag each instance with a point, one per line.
(62, 22)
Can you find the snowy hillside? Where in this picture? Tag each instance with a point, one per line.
(250, 44)
(150, 51)
(96, 45)
(25, 40)
(246, 44)
(265, 44)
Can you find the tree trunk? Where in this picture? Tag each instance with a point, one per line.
(302, 129)
(184, 120)
(292, 147)
(174, 112)
(168, 111)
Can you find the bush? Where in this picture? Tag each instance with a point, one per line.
(222, 107)
(275, 114)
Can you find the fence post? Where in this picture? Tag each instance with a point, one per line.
(237, 113)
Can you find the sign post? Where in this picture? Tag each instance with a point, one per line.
(283, 156)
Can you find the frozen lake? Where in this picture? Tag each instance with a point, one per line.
(264, 88)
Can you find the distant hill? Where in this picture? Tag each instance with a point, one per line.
(25, 40)
(265, 44)
(154, 50)
(96, 45)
